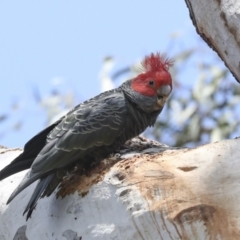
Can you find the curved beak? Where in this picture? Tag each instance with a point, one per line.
(163, 93)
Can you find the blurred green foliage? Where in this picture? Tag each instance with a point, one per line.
(203, 107)
(200, 110)
(207, 111)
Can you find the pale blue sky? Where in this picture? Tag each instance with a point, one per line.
(43, 40)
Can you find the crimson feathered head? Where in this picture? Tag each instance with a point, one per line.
(155, 79)
(154, 85)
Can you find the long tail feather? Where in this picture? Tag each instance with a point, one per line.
(57, 178)
(25, 183)
(41, 186)
(31, 150)
(18, 166)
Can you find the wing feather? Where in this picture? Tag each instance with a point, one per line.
(81, 131)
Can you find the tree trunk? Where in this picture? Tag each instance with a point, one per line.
(156, 193)
(218, 23)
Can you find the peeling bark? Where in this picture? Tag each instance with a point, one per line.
(151, 193)
(218, 23)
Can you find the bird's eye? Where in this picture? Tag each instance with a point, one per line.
(151, 83)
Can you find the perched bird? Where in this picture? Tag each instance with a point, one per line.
(92, 130)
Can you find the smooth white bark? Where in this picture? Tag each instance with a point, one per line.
(174, 194)
(218, 23)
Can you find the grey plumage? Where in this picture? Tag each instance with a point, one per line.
(87, 134)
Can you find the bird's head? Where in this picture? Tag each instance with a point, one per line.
(155, 82)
